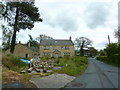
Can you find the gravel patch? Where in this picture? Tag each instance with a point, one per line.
(52, 81)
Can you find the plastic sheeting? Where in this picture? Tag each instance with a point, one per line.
(26, 61)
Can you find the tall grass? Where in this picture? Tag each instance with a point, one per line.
(72, 65)
(13, 63)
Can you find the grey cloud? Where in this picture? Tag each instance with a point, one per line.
(96, 14)
(102, 44)
(65, 21)
(119, 14)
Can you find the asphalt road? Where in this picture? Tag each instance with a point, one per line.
(97, 75)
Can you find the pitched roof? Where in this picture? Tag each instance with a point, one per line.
(56, 42)
(56, 50)
(35, 49)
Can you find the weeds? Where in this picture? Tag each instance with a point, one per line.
(72, 65)
(13, 63)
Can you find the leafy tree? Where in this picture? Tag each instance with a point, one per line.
(81, 43)
(112, 48)
(6, 37)
(102, 52)
(113, 53)
(93, 51)
(42, 37)
(1, 9)
(117, 34)
(32, 42)
(20, 15)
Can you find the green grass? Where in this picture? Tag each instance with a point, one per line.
(72, 65)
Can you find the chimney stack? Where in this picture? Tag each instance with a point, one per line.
(28, 44)
(70, 38)
(19, 42)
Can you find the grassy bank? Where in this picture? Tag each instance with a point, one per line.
(11, 76)
(11, 67)
(72, 65)
(13, 63)
(112, 60)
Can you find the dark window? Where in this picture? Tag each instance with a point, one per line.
(26, 55)
(66, 54)
(46, 54)
(46, 48)
(65, 47)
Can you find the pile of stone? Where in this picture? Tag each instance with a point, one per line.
(41, 66)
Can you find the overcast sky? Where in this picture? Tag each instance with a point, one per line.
(76, 18)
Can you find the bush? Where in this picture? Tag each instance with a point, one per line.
(102, 58)
(113, 59)
(12, 62)
(112, 49)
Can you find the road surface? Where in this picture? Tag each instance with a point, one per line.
(97, 75)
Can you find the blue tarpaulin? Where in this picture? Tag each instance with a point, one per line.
(26, 61)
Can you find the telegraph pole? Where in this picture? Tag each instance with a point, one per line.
(118, 36)
(108, 39)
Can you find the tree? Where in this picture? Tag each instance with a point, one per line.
(117, 34)
(113, 53)
(112, 48)
(20, 15)
(6, 37)
(102, 52)
(93, 51)
(81, 43)
(1, 9)
(32, 42)
(42, 37)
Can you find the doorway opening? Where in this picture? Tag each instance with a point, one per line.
(26, 55)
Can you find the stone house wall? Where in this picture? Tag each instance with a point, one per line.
(23, 51)
(52, 48)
